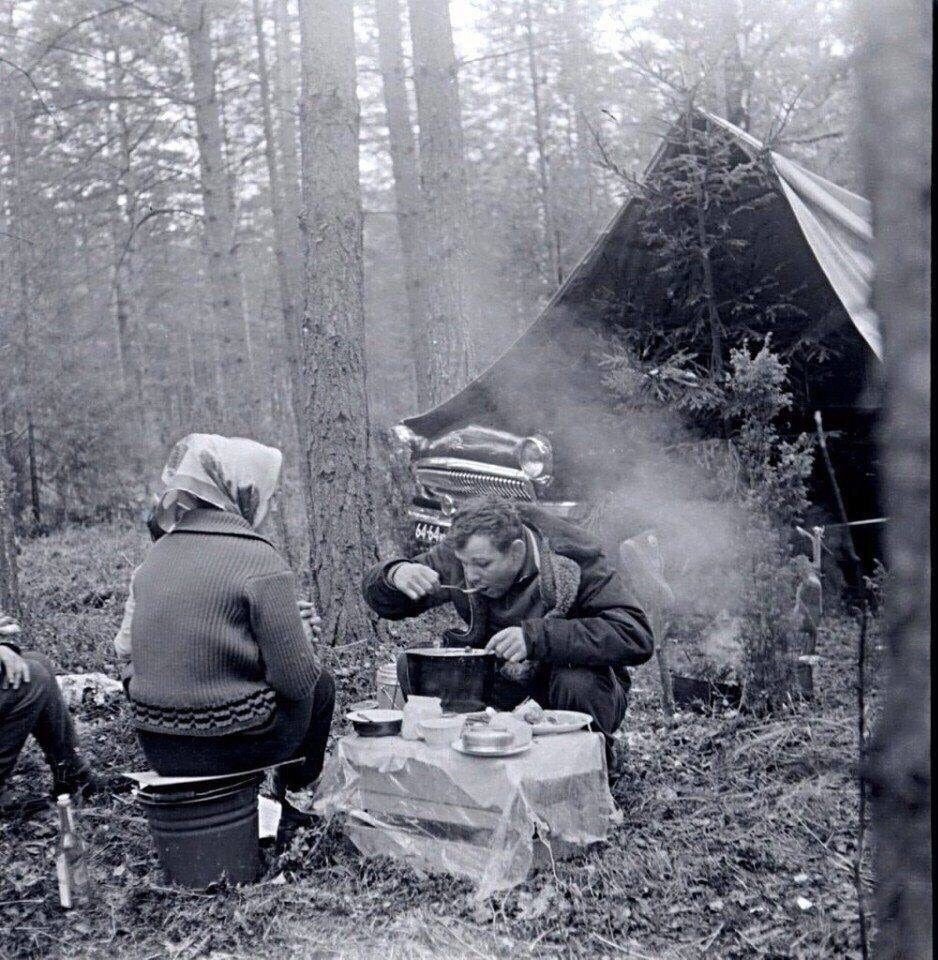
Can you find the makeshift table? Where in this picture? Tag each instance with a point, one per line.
(477, 817)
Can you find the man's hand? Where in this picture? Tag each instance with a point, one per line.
(509, 645)
(311, 619)
(8, 626)
(14, 668)
(415, 579)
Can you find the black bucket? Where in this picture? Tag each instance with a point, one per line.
(207, 830)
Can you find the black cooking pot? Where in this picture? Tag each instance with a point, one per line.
(461, 677)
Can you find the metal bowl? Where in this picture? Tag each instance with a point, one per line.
(479, 737)
(377, 723)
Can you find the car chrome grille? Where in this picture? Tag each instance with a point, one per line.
(464, 483)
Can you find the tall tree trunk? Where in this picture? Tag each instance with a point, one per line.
(714, 322)
(221, 251)
(551, 235)
(249, 386)
(445, 200)
(287, 110)
(34, 502)
(733, 76)
(287, 88)
(285, 236)
(124, 215)
(577, 56)
(286, 285)
(9, 581)
(403, 150)
(895, 75)
(293, 246)
(15, 476)
(341, 514)
(20, 215)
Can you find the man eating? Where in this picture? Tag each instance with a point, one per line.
(539, 593)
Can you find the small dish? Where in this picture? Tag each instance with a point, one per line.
(561, 721)
(440, 731)
(376, 723)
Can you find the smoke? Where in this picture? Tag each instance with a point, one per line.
(641, 467)
(703, 540)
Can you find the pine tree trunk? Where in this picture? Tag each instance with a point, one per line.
(219, 227)
(341, 514)
(9, 592)
(20, 215)
(124, 247)
(9, 582)
(551, 236)
(287, 89)
(406, 188)
(285, 280)
(895, 75)
(444, 191)
(577, 56)
(731, 73)
(714, 322)
(286, 236)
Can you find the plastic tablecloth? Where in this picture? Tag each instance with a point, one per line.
(476, 817)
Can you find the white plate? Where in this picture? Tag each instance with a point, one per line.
(566, 722)
(490, 751)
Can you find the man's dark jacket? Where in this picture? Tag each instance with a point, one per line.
(602, 626)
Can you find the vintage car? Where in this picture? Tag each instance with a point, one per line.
(538, 424)
(472, 461)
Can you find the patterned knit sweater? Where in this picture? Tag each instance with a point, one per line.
(216, 634)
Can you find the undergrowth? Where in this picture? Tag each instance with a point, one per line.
(737, 840)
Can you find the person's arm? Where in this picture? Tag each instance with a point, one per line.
(14, 670)
(609, 629)
(9, 628)
(122, 643)
(290, 663)
(388, 601)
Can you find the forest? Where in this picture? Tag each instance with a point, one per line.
(303, 221)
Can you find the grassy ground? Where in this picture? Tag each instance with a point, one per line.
(737, 840)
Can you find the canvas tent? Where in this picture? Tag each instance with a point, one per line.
(820, 230)
(810, 234)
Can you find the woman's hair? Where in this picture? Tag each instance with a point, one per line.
(492, 517)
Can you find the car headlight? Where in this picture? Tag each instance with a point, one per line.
(408, 439)
(536, 459)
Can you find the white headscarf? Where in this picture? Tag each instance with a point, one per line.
(232, 473)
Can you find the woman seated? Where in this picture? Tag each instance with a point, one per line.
(224, 678)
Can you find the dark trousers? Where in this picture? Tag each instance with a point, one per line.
(298, 728)
(592, 690)
(37, 708)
